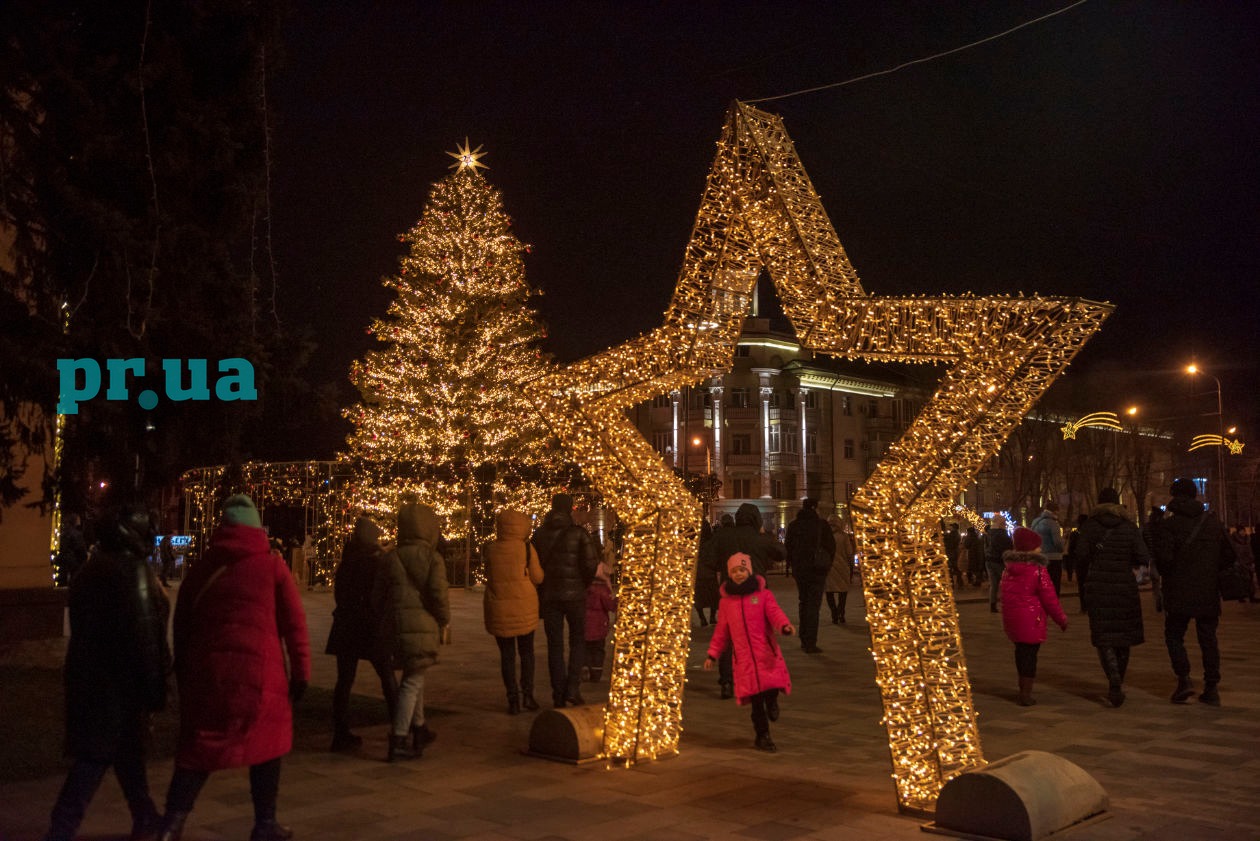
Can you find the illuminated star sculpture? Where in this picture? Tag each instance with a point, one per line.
(1099, 420)
(467, 158)
(760, 211)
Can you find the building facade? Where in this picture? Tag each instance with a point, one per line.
(783, 424)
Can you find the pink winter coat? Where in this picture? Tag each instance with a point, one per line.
(749, 623)
(599, 602)
(237, 613)
(1027, 596)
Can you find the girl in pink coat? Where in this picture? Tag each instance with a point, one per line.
(1027, 597)
(748, 619)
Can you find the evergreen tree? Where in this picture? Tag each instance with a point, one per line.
(442, 410)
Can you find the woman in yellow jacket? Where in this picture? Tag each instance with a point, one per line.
(513, 573)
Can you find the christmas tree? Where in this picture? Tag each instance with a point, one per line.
(443, 418)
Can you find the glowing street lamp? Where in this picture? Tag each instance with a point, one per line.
(1194, 370)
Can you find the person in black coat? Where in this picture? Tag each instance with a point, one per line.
(1109, 548)
(707, 593)
(117, 663)
(354, 635)
(1191, 547)
(569, 557)
(811, 547)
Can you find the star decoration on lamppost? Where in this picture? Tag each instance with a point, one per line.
(1100, 420)
(467, 157)
(760, 211)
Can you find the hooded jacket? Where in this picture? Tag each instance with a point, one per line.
(1027, 596)
(746, 536)
(1050, 530)
(748, 622)
(810, 545)
(1189, 570)
(363, 569)
(569, 558)
(1108, 548)
(513, 573)
(236, 609)
(417, 600)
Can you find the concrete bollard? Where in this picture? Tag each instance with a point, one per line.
(1023, 797)
(569, 734)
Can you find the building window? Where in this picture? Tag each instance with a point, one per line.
(846, 406)
(743, 350)
(811, 400)
(741, 444)
(742, 488)
(784, 488)
(791, 443)
(661, 401)
(774, 400)
(850, 488)
(848, 448)
(811, 443)
(776, 439)
(663, 442)
(739, 398)
(872, 409)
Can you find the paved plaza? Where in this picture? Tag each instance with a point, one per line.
(1172, 772)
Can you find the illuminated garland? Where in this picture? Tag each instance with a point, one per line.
(971, 516)
(759, 210)
(1098, 420)
(1235, 447)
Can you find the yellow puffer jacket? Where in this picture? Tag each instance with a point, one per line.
(512, 580)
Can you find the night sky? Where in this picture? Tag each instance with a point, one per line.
(1109, 152)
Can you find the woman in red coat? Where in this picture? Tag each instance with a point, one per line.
(236, 604)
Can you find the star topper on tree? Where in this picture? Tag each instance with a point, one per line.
(467, 158)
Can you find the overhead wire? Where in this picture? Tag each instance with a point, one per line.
(923, 60)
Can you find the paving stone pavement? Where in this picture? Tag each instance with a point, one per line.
(1172, 772)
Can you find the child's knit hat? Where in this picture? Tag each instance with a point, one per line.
(1026, 540)
(739, 559)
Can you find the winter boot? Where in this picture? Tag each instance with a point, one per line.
(1184, 690)
(527, 700)
(270, 831)
(514, 703)
(173, 826)
(345, 742)
(1110, 660)
(421, 738)
(399, 749)
(764, 742)
(1025, 691)
(146, 823)
(1209, 695)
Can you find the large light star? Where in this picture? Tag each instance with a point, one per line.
(759, 210)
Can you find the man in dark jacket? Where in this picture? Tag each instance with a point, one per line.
(744, 535)
(810, 549)
(116, 666)
(1191, 547)
(1109, 549)
(569, 557)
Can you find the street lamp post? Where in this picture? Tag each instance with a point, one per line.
(1220, 451)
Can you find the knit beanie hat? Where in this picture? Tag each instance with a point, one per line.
(1026, 540)
(739, 559)
(239, 510)
(1184, 487)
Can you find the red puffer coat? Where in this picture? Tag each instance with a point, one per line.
(235, 609)
(749, 623)
(1027, 596)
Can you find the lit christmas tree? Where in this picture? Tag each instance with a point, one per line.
(443, 418)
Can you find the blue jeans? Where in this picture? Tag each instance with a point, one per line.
(410, 711)
(565, 684)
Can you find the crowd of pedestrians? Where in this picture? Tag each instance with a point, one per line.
(241, 653)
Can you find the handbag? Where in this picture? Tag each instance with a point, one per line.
(1234, 582)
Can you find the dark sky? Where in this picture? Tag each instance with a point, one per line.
(1109, 152)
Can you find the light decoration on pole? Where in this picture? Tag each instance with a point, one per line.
(759, 210)
(1234, 446)
(1098, 420)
